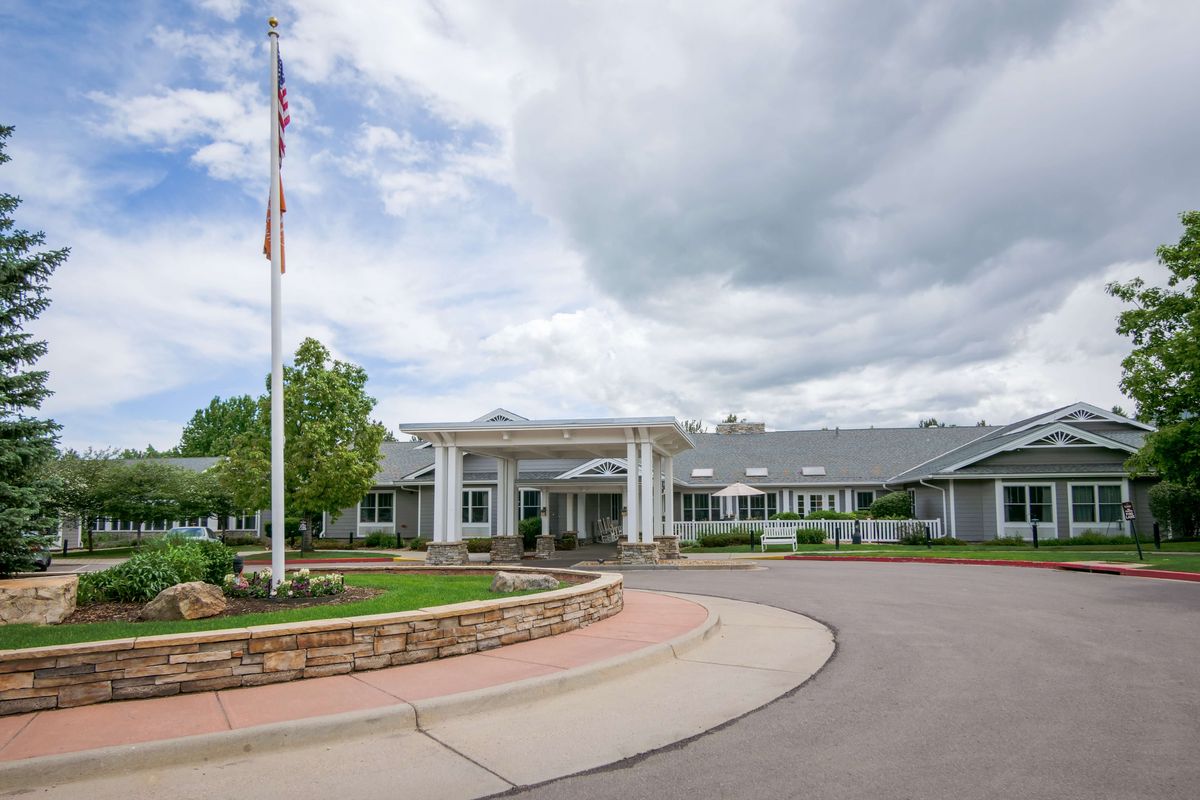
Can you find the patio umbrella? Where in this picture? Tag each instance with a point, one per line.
(738, 489)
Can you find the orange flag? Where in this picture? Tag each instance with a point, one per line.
(267, 238)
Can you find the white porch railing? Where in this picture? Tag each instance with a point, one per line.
(871, 530)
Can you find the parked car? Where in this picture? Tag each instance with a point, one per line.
(194, 534)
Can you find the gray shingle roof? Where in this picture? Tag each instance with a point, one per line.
(400, 459)
(870, 455)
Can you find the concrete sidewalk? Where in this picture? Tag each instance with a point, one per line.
(461, 727)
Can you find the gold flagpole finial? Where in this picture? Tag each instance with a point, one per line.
(274, 23)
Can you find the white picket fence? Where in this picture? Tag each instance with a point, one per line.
(871, 530)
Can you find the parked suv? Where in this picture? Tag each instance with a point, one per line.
(194, 534)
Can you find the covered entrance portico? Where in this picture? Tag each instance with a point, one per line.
(646, 446)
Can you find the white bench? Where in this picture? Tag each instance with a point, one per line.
(776, 536)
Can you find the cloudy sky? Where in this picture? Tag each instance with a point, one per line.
(807, 213)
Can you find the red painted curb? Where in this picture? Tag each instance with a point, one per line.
(324, 561)
(1131, 572)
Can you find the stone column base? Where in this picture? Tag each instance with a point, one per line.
(446, 554)
(637, 552)
(668, 548)
(545, 546)
(507, 549)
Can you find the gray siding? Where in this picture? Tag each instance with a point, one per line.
(1036, 456)
(975, 510)
(1062, 507)
(344, 525)
(406, 513)
(425, 529)
(927, 503)
(1141, 507)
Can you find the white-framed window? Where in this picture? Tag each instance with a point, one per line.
(821, 502)
(247, 521)
(1023, 503)
(863, 500)
(195, 522)
(377, 507)
(99, 524)
(476, 507)
(700, 507)
(1096, 503)
(120, 525)
(159, 525)
(531, 503)
(759, 506)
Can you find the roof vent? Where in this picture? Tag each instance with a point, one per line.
(813, 471)
(756, 472)
(702, 472)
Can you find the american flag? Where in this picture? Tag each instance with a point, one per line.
(282, 107)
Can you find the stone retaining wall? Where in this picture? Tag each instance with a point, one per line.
(155, 666)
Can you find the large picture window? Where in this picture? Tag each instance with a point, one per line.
(759, 506)
(701, 508)
(1024, 503)
(377, 507)
(863, 500)
(1098, 503)
(476, 506)
(246, 522)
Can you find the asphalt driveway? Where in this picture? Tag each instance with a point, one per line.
(950, 682)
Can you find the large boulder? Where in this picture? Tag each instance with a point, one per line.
(523, 581)
(193, 600)
(41, 601)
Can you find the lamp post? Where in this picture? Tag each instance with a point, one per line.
(1033, 522)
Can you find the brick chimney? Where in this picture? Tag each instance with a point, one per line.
(741, 427)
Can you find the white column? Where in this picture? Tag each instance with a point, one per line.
(657, 528)
(440, 478)
(581, 515)
(454, 494)
(545, 512)
(570, 511)
(632, 520)
(514, 502)
(500, 508)
(647, 499)
(669, 492)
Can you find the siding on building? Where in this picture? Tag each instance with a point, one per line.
(975, 509)
(1037, 456)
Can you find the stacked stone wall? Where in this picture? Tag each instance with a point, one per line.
(156, 666)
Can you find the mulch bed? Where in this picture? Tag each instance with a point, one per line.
(235, 606)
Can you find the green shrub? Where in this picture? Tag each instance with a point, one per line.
(810, 536)
(947, 541)
(93, 587)
(141, 578)
(735, 537)
(1085, 539)
(420, 545)
(379, 539)
(1009, 541)
(239, 539)
(893, 505)
(568, 542)
(479, 545)
(786, 515)
(912, 533)
(831, 515)
(1177, 507)
(530, 529)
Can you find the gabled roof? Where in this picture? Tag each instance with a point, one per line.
(597, 467)
(1061, 427)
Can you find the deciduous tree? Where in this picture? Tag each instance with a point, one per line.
(331, 450)
(213, 429)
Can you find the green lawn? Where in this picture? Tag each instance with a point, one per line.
(332, 555)
(1179, 556)
(126, 552)
(404, 593)
(247, 550)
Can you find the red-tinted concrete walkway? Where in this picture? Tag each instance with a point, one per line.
(648, 619)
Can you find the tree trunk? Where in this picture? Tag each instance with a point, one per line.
(306, 544)
(90, 544)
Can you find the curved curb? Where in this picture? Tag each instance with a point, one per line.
(405, 716)
(1069, 566)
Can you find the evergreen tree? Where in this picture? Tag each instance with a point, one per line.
(27, 444)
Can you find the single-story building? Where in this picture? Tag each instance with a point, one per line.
(1065, 468)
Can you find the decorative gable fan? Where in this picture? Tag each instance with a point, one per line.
(1081, 415)
(607, 467)
(597, 468)
(1058, 439)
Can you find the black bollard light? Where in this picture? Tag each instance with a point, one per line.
(1033, 521)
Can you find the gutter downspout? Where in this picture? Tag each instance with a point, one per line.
(945, 518)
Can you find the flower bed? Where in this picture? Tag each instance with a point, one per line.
(302, 583)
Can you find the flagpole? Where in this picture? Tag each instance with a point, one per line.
(277, 511)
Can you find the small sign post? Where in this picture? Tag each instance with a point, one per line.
(1130, 516)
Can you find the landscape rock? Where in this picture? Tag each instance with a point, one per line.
(40, 601)
(523, 581)
(194, 600)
